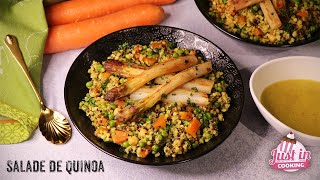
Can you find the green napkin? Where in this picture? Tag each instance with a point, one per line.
(24, 19)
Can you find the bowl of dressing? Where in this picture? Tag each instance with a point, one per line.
(287, 94)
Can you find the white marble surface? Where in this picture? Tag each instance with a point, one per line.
(244, 155)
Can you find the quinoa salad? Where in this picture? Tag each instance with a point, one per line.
(274, 22)
(170, 127)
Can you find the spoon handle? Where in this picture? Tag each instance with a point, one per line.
(12, 43)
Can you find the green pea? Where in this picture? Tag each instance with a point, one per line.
(205, 122)
(195, 145)
(198, 110)
(160, 137)
(155, 148)
(163, 133)
(187, 143)
(217, 104)
(296, 1)
(149, 53)
(149, 120)
(312, 28)
(207, 135)
(175, 103)
(255, 8)
(180, 52)
(111, 116)
(122, 80)
(100, 68)
(103, 106)
(89, 84)
(105, 113)
(112, 123)
(219, 89)
(84, 107)
(125, 144)
(175, 55)
(142, 144)
(208, 115)
(186, 123)
(113, 106)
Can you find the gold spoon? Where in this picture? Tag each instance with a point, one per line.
(53, 125)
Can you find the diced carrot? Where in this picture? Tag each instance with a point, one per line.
(189, 108)
(185, 115)
(144, 152)
(137, 48)
(156, 45)
(105, 76)
(81, 34)
(119, 103)
(241, 20)
(137, 56)
(120, 137)
(160, 122)
(303, 14)
(118, 122)
(193, 127)
(103, 121)
(257, 32)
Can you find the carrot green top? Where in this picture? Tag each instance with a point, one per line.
(24, 19)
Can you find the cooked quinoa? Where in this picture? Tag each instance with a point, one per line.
(142, 137)
(244, 23)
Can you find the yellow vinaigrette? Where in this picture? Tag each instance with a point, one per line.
(296, 103)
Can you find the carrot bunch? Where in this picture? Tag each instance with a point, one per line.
(77, 23)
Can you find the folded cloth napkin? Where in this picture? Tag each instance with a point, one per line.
(19, 107)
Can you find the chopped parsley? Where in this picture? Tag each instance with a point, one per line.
(195, 89)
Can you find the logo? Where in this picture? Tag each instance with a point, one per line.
(290, 155)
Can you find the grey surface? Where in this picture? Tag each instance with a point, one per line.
(244, 155)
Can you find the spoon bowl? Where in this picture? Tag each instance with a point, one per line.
(52, 124)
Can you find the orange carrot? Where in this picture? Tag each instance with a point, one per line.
(119, 103)
(144, 152)
(257, 32)
(120, 137)
(185, 115)
(105, 76)
(103, 121)
(81, 34)
(241, 20)
(160, 122)
(303, 14)
(193, 127)
(79, 10)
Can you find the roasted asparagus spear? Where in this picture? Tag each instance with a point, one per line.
(177, 95)
(132, 112)
(270, 14)
(122, 69)
(129, 71)
(160, 69)
(237, 5)
(199, 84)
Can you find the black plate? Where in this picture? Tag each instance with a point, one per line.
(204, 6)
(75, 89)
